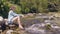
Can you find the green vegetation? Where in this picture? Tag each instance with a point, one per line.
(48, 27)
(27, 6)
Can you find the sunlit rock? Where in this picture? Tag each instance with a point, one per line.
(1, 18)
(9, 31)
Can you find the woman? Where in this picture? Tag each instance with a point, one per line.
(12, 16)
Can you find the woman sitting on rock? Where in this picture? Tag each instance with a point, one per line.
(12, 16)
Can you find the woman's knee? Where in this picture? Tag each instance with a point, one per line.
(15, 18)
(18, 16)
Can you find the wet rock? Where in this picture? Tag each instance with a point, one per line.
(36, 29)
(40, 29)
(49, 21)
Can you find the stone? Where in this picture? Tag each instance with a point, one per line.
(35, 29)
(9, 31)
(40, 29)
(30, 14)
(1, 18)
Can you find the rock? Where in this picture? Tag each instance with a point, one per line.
(30, 14)
(56, 27)
(1, 18)
(40, 29)
(49, 21)
(51, 17)
(9, 31)
(35, 29)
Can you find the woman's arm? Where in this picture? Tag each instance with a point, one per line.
(14, 14)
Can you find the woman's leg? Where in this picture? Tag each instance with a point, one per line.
(18, 20)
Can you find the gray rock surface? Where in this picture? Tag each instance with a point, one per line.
(40, 29)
